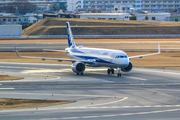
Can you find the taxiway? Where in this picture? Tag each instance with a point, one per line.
(141, 94)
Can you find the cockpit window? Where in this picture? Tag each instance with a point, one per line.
(120, 56)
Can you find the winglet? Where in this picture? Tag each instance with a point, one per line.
(159, 48)
(16, 52)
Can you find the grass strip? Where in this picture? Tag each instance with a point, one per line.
(7, 77)
(10, 103)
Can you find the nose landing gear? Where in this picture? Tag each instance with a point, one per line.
(118, 72)
(79, 73)
(111, 71)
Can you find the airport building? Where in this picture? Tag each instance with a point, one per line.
(110, 5)
(39, 3)
(10, 30)
(105, 16)
(31, 1)
(153, 17)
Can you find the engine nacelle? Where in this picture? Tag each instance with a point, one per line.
(78, 67)
(128, 68)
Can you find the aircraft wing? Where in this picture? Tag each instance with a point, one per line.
(140, 56)
(58, 59)
(54, 50)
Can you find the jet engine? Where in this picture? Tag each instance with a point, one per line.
(128, 68)
(78, 67)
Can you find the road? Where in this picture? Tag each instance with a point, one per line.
(142, 94)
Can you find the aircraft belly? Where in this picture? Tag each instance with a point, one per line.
(112, 65)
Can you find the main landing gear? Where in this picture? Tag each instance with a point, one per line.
(110, 71)
(79, 73)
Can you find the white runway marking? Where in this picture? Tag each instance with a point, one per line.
(46, 71)
(115, 115)
(6, 88)
(159, 71)
(61, 94)
(168, 89)
(112, 107)
(56, 70)
(35, 64)
(103, 107)
(47, 79)
(109, 102)
(0, 84)
(137, 78)
(20, 67)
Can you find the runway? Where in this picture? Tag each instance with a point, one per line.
(130, 46)
(142, 94)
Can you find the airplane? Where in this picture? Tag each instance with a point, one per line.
(82, 57)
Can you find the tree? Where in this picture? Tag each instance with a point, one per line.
(93, 10)
(55, 7)
(20, 6)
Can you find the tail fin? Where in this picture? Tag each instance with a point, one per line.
(70, 36)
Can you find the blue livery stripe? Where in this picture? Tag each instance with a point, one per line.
(68, 35)
(97, 59)
(76, 51)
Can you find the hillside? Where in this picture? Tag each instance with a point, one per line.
(57, 26)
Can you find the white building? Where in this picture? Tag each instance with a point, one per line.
(123, 8)
(148, 5)
(72, 5)
(32, 19)
(153, 17)
(32, 1)
(8, 20)
(105, 16)
(39, 3)
(10, 30)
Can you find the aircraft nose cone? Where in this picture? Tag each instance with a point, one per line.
(126, 62)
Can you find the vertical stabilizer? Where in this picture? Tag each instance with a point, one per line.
(70, 36)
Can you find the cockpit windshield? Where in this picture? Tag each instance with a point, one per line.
(121, 56)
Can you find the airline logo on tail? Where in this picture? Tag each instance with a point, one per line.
(70, 36)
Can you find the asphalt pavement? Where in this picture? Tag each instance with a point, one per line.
(142, 94)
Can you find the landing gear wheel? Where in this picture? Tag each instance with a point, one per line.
(77, 73)
(112, 71)
(119, 75)
(108, 71)
(118, 72)
(81, 73)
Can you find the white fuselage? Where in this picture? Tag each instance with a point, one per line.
(100, 57)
